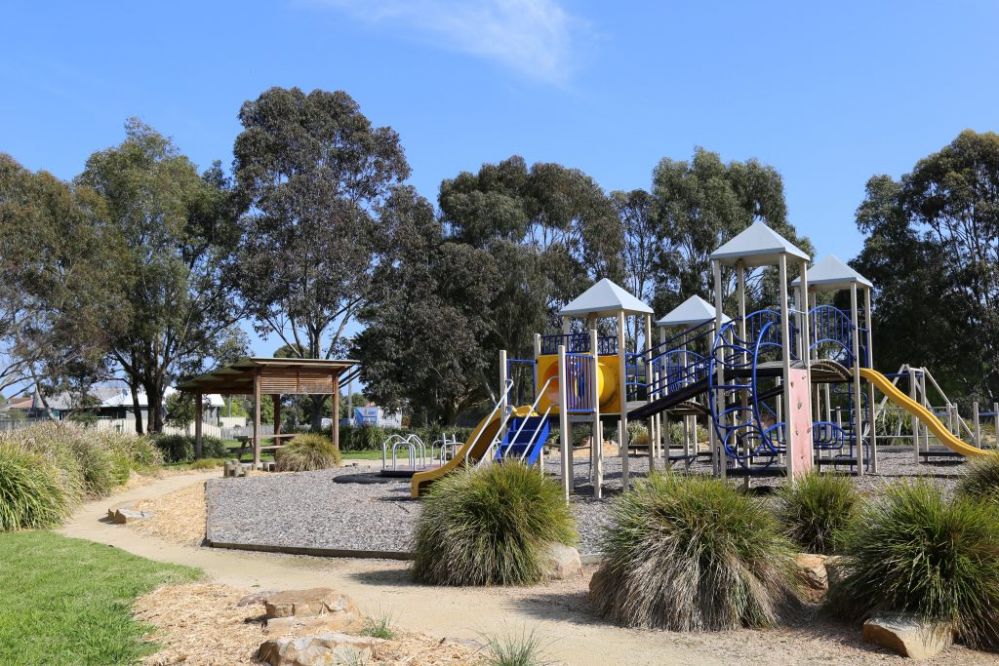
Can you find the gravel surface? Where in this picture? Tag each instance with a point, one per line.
(310, 510)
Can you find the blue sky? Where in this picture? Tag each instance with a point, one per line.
(828, 93)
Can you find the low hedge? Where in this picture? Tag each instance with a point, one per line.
(180, 448)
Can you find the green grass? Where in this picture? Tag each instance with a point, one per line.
(364, 455)
(981, 480)
(689, 553)
(524, 649)
(490, 525)
(379, 627)
(911, 550)
(68, 601)
(815, 508)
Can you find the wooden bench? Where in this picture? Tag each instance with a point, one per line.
(246, 442)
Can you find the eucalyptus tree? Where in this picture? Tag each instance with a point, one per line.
(311, 171)
(175, 228)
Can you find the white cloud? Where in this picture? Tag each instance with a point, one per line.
(532, 37)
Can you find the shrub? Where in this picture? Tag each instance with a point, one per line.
(207, 463)
(693, 553)
(815, 508)
(981, 480)
(638, 434)
(307, 452)
(180, 448)
(490, 525)
(31, 495)
(100, 471)
(912, 551)
(522, 650)
(51, 442)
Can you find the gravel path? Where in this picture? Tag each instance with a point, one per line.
(311, 510)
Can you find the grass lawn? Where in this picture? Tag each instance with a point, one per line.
(362, 455)
(69, 601)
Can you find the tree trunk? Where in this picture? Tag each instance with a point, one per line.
(316, 406)
(154, 401)
(136, 407)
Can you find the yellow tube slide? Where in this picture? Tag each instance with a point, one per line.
(946, 438)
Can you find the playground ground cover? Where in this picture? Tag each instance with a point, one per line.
(311, 512)
(68, 601)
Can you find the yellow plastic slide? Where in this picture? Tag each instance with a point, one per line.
(946, 438)
(474, 448)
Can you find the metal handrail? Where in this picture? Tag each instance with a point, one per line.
(499, 433)
(499, 402)
(530, 443)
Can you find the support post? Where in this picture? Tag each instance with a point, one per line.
(913, 380)
(858, 412)
(648, 392)
(504, 378)
(871, 408)
(722, 462)
(597, 431)
(785, 332)
(977, 423)
(256, 419)
(563, 413)
(199, 408)
(622, 356)
(335, 423)
(276, 398)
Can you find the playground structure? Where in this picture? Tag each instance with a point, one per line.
(780, 388)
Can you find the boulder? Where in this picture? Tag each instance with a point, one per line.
(909, 635)
(233, 468)
(561, 562)
(835, 569)
(255, 598)
(314, 601)
(122, 515)
(329, 622)
(323, 649)
(813, 570)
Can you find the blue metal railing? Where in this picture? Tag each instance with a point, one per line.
(578, 343)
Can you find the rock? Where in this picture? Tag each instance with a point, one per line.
(319, 650)
(334, 622)
(813, 570)
(122, 516)
(835, 569)
(562, 562)
(233, 468)
(909, 635)
(314, 601)
(255, 598)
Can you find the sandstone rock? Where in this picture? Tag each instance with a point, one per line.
(835, 569)
(122, 515)
(233, 468)
(255, 598)
(314, 601)
(323, 649)
(909, 635)
(334, 622)
(562, 562)
(813, 570)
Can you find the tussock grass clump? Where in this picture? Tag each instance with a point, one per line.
(688, 553)
(307, 452)
(914, 551)
(981, 480)
(490, 525)
(515, 650)
(815, 508)
(31, 495)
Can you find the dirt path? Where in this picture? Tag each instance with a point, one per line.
(556, 613)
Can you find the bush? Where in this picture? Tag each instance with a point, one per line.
(180, 448)
(31, 495)
(638, 434)
(306, 453)
(693, 553)
(490, 525)
(815, 508)
(912, 551)
(981, 480)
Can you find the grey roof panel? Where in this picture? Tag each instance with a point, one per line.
(757, 245)
(831, 272)
(692, 312)
(604, 298)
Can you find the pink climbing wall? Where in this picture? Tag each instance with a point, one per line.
(800, 444)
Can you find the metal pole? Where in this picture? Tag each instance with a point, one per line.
(785, 332)
(913, 379)
(871, 413)
(978, 424)
(597, 434)
(504, 378)
(564, 434)
(858, 412)
(623, 392)
(721, 457)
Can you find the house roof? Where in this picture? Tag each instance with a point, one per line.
(832, 273)
(104, 397)
(692, 312)
(237, 378)
(757, 245)
(604, 299)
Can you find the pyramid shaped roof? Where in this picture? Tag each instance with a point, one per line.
(604, 299)
(831, 273)
(692, 312)
(756, 245)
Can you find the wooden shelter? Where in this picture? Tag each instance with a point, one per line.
(274, 377)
